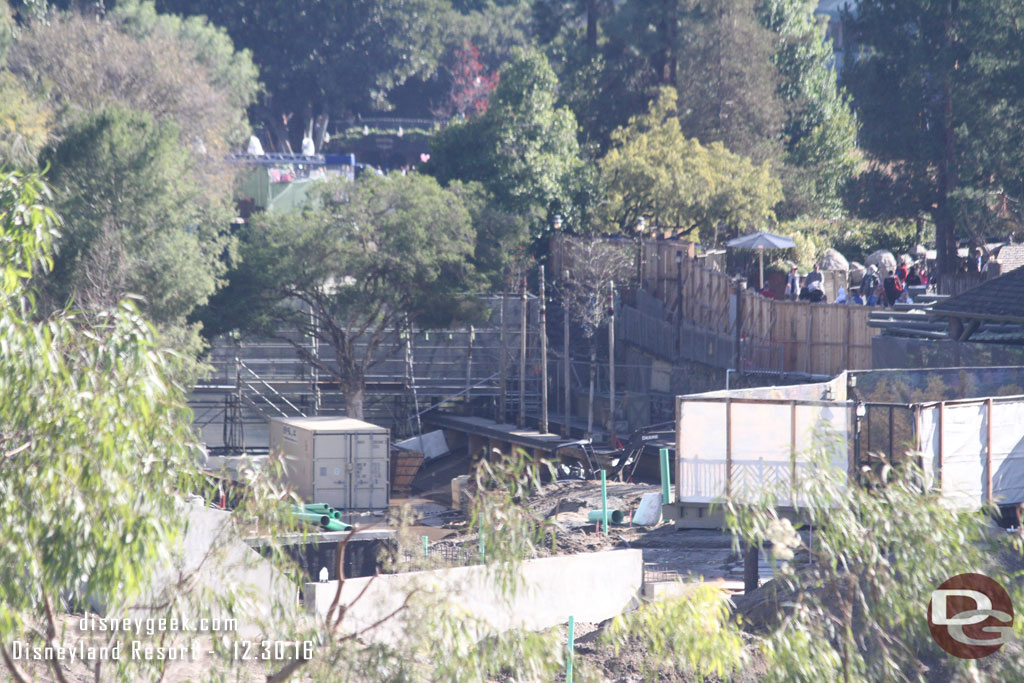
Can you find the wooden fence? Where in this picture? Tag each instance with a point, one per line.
(777, 336)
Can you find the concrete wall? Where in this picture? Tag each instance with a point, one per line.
(210, 559)
(591, 587)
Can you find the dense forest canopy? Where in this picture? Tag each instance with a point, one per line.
(705, 118)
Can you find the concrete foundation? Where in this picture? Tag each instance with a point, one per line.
(591, 587)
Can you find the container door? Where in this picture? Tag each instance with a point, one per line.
(370, 454)
(332, 470)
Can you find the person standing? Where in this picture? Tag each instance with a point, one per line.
(813, 276)
(793, 284)
(869, 286)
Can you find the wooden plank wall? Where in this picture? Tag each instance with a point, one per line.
(818, 339)
(822, 339)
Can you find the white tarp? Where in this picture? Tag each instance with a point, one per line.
(431, 445)
(762, 446)
(964, 445)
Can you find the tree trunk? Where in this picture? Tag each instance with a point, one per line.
(945, 221)
(592, 25)
(590, 398)
(354, 396)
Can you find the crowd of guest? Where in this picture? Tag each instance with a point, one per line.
(875, 288)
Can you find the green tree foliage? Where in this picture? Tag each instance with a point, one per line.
(849, 604)
(501, 237)
(25, 124)
(94, 442)
(126, 182)
(373, 256)
(523, 149)
(183, 71)
(327, 59)
(820, 130)
(723, 72)
(654, 172)
(881, 545)
(703, 640)
(938, 91)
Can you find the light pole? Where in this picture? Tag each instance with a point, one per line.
(640, 226)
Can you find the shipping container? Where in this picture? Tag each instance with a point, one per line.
(335, 460)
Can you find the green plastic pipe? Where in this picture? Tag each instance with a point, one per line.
(666, 492)
(319, 507)
(314, 518)
(604, 500)
(614, 516)
(335, 525)
(572, 647)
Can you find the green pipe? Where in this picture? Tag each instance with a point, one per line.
(666, 493)
(604, 501)
(314, 518)
(614, 516)
(336, 514)
(426, 546)
(335, 525)
(319, 507)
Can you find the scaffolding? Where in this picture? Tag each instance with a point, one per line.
(252, 380)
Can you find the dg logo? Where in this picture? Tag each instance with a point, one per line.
(970, 616)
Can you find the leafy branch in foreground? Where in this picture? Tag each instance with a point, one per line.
(849, 601)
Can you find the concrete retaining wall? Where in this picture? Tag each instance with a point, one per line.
(591, 587)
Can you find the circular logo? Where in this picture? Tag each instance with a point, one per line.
(970, 616)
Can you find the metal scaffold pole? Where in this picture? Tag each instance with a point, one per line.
(543, 358)
(522, 358)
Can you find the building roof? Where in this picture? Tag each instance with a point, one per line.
(1010, 257)
(1000, 298)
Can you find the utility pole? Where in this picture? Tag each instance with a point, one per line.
(611, 361)
(679, 303)
(522, 358)
(543, 358)
(502, 357)
(469, 364)
(565, 362)
(739, 326)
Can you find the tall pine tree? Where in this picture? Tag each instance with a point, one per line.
(938, 88)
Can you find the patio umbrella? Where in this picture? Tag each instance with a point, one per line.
(761, 240)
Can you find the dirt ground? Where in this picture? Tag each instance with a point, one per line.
(669, 554)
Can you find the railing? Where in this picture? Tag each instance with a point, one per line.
(711, 480)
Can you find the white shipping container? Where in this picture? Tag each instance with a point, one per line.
(335, 460)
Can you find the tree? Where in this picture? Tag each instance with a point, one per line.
(373, 257)
(726, 81)
(820, 130)
(138, 228)
(592, 268)
(181, 71)
(523, 149)
(95, 449)
(471, 85)
(848, 603)
(655, 173)
(320, 60)
(938, 91)
(25, 124)
(97, 464)
(501, 237)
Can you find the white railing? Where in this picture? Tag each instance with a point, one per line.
(705, 480)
